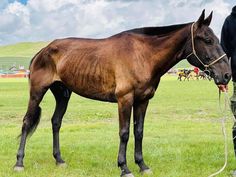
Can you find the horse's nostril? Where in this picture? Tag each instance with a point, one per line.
(227, 76)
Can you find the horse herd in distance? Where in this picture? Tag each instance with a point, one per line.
(190, 74)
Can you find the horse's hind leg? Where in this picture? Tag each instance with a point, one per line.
(41, 77)
(30, 121)
(62, 96)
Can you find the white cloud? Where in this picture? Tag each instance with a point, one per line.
(189, 10)
(45, 20)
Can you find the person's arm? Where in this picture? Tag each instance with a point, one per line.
(225, 39)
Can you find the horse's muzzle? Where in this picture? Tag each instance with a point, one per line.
(222, 79)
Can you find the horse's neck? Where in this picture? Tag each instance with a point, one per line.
(167, 49)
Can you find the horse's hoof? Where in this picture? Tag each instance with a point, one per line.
(62, 165)
(146, 172)
(18, 168)
(127, 175)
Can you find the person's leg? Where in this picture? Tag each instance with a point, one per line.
(233, 108)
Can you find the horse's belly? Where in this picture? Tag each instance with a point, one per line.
(96, 93)
(91, 88)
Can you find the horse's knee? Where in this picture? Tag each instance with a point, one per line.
(124, 135)
(56, 125)
(138, 134)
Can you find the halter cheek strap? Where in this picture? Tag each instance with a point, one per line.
(195, 54)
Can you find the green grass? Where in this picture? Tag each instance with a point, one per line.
(182, 133)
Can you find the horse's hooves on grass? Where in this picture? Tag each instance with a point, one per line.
(146, 172)
(63, 165)
(18, 168)
(128, 175)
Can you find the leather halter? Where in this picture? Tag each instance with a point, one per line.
(195, 54)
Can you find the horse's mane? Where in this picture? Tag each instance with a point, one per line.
(159, 31)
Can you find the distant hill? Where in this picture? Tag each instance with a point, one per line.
(25, 49)
(21, 54)
(183, 64)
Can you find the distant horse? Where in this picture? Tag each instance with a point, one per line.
(185, 73)
(203, 75)
(125, 68)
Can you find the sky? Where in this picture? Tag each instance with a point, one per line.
(45, 20)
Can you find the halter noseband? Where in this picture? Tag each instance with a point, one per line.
(195, 54)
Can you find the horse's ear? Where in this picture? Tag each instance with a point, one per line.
(201, 19)
(207, 21)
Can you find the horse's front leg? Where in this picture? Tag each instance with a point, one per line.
(139, 112)
(124, 107)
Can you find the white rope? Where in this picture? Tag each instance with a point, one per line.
(224, 133)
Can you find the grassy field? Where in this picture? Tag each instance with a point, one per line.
(182, 134)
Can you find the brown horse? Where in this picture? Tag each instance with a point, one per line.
(125, 68)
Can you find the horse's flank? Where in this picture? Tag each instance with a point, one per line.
(103, 69)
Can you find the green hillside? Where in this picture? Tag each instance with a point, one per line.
(183, 64)
(25, 49)
(21, 54)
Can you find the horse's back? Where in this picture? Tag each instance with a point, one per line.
(93, 67)
(81, 64)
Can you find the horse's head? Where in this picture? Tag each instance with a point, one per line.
(203, 50)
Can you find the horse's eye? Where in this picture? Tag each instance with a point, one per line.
(208, 41)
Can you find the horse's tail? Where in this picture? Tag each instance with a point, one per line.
(36, 118)
(33, 123)
(35, 56)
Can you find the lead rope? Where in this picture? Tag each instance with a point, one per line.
(226, 103)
